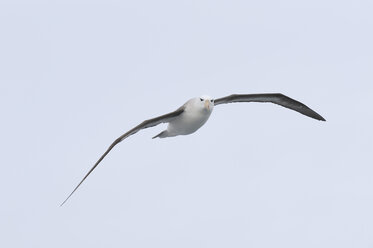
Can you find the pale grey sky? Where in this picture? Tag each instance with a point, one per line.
(75, 75)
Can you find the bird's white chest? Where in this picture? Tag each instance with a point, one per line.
(188, 122)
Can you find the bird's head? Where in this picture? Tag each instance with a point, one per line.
(205, 102)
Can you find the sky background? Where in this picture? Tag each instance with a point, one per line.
(75, 75)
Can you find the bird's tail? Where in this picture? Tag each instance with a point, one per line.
(162, 134)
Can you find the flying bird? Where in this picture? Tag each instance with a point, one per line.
(194, 113)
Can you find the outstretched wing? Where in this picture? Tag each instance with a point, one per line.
(145, 124)
(276, 98)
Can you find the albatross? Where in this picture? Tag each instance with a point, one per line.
(194, 113)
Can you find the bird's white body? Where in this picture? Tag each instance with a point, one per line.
(197, 111)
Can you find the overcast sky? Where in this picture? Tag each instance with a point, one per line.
(75, 75)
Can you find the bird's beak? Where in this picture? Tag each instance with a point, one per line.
(207, 104)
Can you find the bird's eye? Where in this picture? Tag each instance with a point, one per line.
(212, 100)
(201, 99)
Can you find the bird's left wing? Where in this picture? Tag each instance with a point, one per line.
(276, 98)
(145, 124)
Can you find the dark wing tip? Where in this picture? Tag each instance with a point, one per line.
(320, 118)
(64, 201)
(314, 115)
(300, 107)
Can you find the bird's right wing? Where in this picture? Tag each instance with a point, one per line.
(276, 98)
(145, 124)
